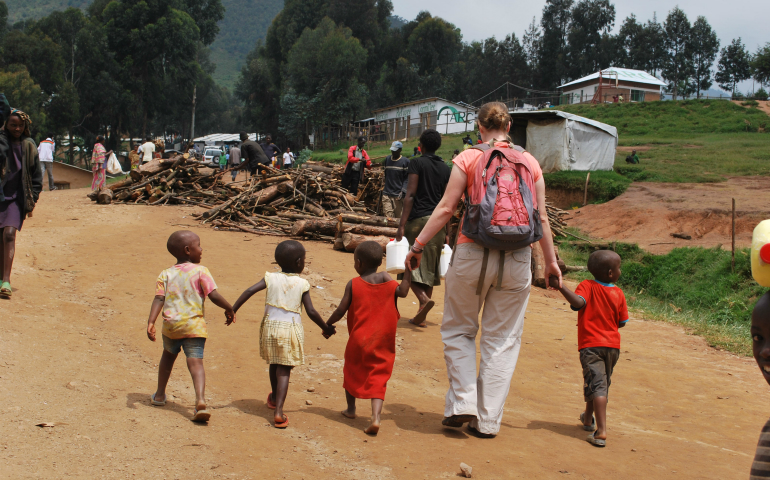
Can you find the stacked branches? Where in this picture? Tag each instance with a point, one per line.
(307, 202)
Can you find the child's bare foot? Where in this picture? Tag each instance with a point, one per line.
(374, 428)
(349, 413)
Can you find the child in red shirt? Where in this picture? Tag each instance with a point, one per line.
(602, 310)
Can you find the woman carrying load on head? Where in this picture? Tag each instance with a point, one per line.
(20, 187)
(478, 276)
(99, 163)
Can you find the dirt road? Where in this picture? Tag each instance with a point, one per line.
(648, 213)
(73, 352)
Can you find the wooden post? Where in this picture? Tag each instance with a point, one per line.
(585, 194)
(733, 253)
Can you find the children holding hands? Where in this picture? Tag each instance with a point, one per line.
(180, 293)
(281, 336)
(370, 301)
(602, 310)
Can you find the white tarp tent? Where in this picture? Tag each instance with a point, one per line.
(563, 141)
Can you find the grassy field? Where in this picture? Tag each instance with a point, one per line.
(692, 287)
(380, 149)
(686, 141)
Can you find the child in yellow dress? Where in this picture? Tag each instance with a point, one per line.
(281, 336)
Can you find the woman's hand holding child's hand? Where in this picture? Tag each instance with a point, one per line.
(553, 282)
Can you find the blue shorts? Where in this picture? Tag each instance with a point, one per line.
(193, 347)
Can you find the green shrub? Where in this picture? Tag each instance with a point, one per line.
(750, 103)
(760, 94)
(603, 186)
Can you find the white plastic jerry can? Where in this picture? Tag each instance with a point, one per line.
(760, 253)
(446, 257)
(395, 255)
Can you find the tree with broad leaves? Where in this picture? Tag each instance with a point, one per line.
(760, 64)
(591, 19)
(555, 22)
(734, 65)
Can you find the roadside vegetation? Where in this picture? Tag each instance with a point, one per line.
(693, 287)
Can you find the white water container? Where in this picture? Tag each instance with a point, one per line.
(446, 257)
(395, 255)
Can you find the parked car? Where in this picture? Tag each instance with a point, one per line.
(210, 153)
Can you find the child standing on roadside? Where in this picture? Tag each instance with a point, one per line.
(281, 336)
(602, 310)
(760, 336)
(180, 293)
(370, 302)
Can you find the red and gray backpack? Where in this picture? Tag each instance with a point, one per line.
(501, 206)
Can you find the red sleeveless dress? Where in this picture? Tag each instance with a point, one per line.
(371, 349)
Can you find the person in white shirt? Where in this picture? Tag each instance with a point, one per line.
(288, 159)
(148, 148)
(46, 151)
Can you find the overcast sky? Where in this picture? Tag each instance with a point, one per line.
(481, 19)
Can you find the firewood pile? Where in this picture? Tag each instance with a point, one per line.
(307, 202)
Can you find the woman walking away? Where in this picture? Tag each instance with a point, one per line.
(505, 213)
(99, 162)
(22, 182)
(428, 176)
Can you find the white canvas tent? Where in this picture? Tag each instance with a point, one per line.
(563, 141)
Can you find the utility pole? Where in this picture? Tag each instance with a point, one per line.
(192, 123)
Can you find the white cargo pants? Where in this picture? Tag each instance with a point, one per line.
(502, 325)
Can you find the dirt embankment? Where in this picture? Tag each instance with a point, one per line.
(74, 352)
(648, 213)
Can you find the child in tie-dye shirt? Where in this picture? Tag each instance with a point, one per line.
(180, 293)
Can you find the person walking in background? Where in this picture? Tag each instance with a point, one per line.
(428, 178)
(46, 151)
(288, 159)
(235, 160)
(358, 159)
(455, 154)
(222, 161)
(396, 179)
(500, 284)
(271, 150)
(148, 149)
(20, 185)
(98, 163)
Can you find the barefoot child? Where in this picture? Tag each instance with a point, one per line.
(180, 293)
(760, 335)
(370, 301)
(602, 310)
(281, 336)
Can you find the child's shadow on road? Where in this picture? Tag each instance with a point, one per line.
(406, 417)
(132, 399)
(571, 430)
(252, 406)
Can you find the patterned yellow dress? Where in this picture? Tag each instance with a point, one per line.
(281, 336)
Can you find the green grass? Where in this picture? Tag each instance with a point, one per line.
(692, 287)
(603, 186)
(689, 141)
(680, 119)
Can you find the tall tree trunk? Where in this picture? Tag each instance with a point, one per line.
(72, 147)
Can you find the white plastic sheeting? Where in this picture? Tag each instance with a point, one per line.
(562, 141)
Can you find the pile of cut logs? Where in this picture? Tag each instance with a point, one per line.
(307, 202)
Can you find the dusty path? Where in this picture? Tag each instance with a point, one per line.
(73, 351)
(648, 213)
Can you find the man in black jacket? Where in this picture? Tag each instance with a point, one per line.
(252, 154)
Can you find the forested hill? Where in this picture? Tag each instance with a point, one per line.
(245, 22)
(20, 10)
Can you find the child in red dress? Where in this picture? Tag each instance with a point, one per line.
(370, 302)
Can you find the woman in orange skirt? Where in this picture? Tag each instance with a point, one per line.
(370, 302)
